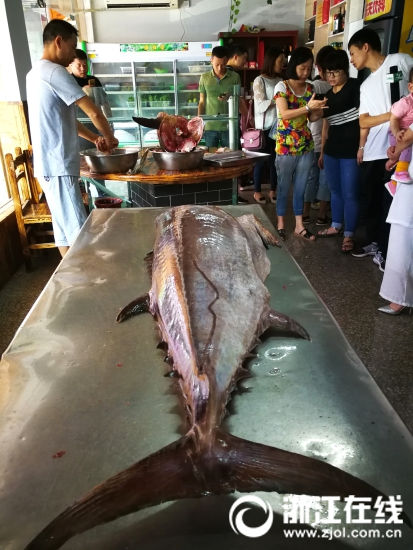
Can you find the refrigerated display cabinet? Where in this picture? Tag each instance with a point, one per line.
(143, 80)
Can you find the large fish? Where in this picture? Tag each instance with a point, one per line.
(210, 302)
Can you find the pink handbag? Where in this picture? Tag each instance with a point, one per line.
(251, 138)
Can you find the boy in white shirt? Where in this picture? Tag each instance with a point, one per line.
(375, 104)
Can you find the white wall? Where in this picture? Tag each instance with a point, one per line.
(15, 58)
(200, 22)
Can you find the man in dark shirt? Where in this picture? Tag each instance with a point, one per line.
(78, 69)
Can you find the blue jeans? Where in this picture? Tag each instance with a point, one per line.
(292, 168)
(216, 138)
(343, 177)
(317, 187)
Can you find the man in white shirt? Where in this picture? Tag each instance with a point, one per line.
(52, 95)
(375, 104)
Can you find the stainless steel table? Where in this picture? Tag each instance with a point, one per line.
(82, 398)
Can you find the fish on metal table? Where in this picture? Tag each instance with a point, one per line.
(210, 302)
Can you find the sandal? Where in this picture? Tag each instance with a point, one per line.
(348, 245)
(304, 234)
(306, 219)
(329, 232)
(281, 233)
(273, 199)
(260, 200)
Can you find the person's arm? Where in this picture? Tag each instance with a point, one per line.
(243, 108)
(99, 121)
(406, 140)
(394, 125)
(324, 136)
(261, 103)
(316, 114)
(394, 152)
(314, 109)
(367, 121)
(364, 132)
(201, 104)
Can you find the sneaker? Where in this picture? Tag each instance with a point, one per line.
(241, 200)
(379, 260)
(402, 177)
(368, 250)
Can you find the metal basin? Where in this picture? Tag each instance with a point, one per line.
(178, 161)
(119, 161)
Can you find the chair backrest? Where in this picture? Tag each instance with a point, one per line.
(30, 207)
(24, 186)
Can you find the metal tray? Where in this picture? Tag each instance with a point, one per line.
(234, 158)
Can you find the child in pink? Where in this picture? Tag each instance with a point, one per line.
(400, 119)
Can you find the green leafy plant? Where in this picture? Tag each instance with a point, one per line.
(233, 14)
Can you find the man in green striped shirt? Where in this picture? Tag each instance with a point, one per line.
(215, 88)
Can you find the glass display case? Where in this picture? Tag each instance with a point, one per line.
(187, 85)
(146, 88)
(145, 79)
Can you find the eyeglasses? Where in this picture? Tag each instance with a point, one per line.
(333, 73)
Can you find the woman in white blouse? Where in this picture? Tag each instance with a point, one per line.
(265, 112)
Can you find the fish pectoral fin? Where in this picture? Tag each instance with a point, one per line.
(161, 477)
(267, 237)
(279, 321)
(137, 306)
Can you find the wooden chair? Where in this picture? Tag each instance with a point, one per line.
(32, 212)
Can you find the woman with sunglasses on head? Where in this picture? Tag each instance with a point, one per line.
(294, 146)
(342, 148)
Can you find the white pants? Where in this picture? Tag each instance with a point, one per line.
(66, 206)
(397, 285)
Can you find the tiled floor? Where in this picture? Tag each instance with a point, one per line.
(348, 286)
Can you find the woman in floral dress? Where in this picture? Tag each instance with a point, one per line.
(296, 104)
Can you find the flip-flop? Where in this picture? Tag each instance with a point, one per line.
(304, 234)
(260, 200)
(325, 233)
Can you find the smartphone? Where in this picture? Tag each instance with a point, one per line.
(320, 96)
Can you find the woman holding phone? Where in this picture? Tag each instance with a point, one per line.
(296, 105)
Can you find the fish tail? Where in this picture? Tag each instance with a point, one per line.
(163, 476)
(190, 468)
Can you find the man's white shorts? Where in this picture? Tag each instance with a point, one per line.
(65, 202)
